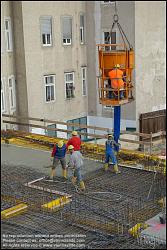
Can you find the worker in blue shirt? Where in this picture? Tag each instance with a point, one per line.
(110, 154)
(58, 155)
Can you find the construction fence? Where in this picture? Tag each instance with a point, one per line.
(143, 140)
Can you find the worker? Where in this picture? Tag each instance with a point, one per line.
(76, 162)
(75, 141)
(110, 154)
(58, 155)
(110, 93)
(117, 83)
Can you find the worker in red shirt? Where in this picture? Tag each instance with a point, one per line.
(75, 141)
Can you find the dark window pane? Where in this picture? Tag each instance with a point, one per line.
(48, 93)
(52, 93)
(43, 39)
(48, 39)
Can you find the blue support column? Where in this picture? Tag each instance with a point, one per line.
(117, 124)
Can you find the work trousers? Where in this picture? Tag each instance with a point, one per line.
(111, 156)
(77, 174)
(56, 162)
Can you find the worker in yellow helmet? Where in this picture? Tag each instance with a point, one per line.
(110, 154)
(116, 77)
(76, 162)
(58, 155)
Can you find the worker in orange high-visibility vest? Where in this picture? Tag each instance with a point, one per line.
(116, 77)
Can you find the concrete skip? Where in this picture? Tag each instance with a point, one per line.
(13, 211)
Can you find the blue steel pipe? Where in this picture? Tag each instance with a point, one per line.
(117, 124)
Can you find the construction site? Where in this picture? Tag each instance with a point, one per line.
(113, 194)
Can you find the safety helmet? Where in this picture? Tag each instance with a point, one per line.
(110, 135)
(60, 144)
(117, 66)
(70, 147)
(74, 133)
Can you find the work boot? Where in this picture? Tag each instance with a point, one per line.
(64, 173)
(116, 170)
(106, 166)
(74, 180)
(82, 185)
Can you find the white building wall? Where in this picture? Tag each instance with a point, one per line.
(150, 56)
(7, 61)
(105, 122)
(56, 59)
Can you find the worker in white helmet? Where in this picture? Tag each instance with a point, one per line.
(76, 162)
(58, 155)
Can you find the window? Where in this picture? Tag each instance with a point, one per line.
(110, 39)
(12, 93)
(82, 121)
(2, 96)
(46, 31)
(67, 30)
(51, 133)
(84, 82)
(2, 37)
(69, 85)
(8, 34)
(49, 88)
(82, 38)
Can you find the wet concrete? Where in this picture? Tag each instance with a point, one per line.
(37, 159)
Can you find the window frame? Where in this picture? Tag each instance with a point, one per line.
(13, 93)
(84, 79)
(103, 37)
(3, 93)
(67, 43)
(82, 29)
(51, 34)
(66, 73)
(50, 85)
(9, 46)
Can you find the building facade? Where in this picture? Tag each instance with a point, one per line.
(50, 62)
(8, 74)
(147, 36)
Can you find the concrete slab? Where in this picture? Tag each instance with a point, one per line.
(37, 159)
(154, 221)
(155, 230)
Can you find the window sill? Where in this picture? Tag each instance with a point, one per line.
(46, 45)
(49, 102)
(67, 44)
(106, 4)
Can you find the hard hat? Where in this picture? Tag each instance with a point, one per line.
(60, 144)
(74, 133)
(110, 135)
(70, 147)
(117, 66)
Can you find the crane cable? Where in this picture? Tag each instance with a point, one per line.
(123, 35)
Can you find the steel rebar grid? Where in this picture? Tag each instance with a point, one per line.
(109, 205)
